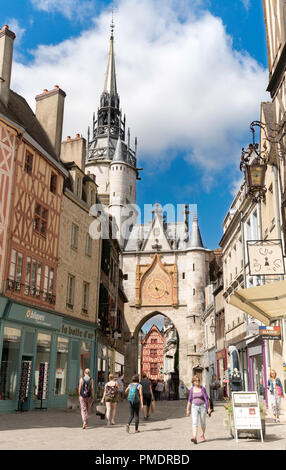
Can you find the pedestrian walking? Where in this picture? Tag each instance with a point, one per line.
(154, 389)
(86, 394)
(119, 380)
(275, 388)
(110, 395)
(215, 386)
(147, 395)
(159, 389)
(135, 399)
(198, 401)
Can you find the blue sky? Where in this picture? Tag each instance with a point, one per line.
(191, 76)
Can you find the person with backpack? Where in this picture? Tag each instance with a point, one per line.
(86, 394)
(110, 395)
(135, 399)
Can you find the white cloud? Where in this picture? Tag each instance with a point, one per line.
(71, 9)
(181, 84)
(14, 26)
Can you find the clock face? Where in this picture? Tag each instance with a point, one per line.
(156, 288)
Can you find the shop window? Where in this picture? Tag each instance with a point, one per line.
(40, 219)
(42, 366)
(9, 363)
(61, 366)
(84, 357)
(15, 271)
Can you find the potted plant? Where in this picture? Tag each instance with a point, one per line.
(228, 422)
(73, 402)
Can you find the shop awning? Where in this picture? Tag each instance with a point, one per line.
(266, 303)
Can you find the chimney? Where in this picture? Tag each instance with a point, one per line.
(74, 150)
(6, 54)
(50, 113)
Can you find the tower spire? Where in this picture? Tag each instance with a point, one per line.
(110, 86)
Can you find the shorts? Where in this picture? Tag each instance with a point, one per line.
(110, 400)
(147, 400)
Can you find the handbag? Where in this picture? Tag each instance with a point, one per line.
(152, 406)
(100, 410)
(278, 390)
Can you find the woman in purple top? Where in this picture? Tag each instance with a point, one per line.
(199, 401)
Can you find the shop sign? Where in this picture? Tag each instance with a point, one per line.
(270, 332)
(220, 355)
(246, 412)
(60, 374)
(265, 257)
(77, 332)
(252, 328)
(255, 351)
(34, 317)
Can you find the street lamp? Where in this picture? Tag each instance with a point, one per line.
(254, 166)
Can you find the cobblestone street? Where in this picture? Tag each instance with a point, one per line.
(167, 429)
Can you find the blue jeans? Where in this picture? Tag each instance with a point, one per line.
(199, 410)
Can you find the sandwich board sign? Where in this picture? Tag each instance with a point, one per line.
(246, 412)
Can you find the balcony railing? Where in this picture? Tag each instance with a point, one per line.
(30, 291)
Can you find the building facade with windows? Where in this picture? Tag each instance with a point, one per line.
(32, 190)
(242, 224)
(152, 359)
(78, 273)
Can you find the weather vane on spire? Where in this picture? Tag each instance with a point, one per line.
(112, 26)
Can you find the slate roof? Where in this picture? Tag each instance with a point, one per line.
(20, 112)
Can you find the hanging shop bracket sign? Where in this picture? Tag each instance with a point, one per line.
(270, 332)
(246, 412)
(265, 257)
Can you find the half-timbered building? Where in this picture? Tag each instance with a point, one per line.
(153, 354)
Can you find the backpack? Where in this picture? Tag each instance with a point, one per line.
(111, 391)
(133, 395)
(85, 391)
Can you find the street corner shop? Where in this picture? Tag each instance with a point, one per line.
(42, 357)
